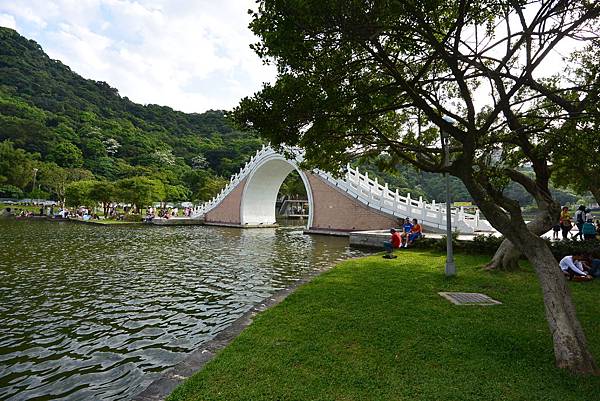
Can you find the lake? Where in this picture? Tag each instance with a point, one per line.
(99, 312)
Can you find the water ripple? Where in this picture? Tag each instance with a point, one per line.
(97, 313)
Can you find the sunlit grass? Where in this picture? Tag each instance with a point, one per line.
(376, 329)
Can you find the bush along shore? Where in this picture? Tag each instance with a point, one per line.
(376, 329)
(488, 244)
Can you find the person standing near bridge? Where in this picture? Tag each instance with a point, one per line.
(565, 222)
(579, 222)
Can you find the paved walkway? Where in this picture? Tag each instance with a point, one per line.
(375, 238)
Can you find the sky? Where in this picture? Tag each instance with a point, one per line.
(190, 55)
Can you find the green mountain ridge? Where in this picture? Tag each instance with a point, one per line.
(56, 116)
(70, 129)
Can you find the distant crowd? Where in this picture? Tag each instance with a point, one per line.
(166, 213)
(58, 213)
(85, 213)
(583, 220)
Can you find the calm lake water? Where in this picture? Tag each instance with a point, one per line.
(98, 312)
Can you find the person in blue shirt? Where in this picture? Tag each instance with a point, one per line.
(406, 227)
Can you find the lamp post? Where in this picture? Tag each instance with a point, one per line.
(450, 266)
(35, 170)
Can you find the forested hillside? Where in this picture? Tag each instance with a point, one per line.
(75, 128)
(70, 133)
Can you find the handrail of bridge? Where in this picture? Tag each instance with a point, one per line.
(233, 181)
(369, 192)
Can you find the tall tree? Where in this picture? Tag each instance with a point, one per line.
(103, 192)
(78, 193)
(577, 161)
(140, 191)
(16, 166)
(353, 77)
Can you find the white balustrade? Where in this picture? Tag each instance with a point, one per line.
(369, 192)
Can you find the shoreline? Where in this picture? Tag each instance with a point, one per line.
(160, 388)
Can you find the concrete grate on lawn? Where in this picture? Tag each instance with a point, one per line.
(469, 298)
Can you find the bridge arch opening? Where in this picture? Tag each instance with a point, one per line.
(259, 197)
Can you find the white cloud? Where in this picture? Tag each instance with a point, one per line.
(192, 56)
(8, 21)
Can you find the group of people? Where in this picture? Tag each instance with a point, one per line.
(409, 233)
(166, 213)
(584, 221)
(581, 267)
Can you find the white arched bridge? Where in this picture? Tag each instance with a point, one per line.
(353, 202)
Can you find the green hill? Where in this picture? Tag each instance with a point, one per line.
(72, 129)
(86, 128)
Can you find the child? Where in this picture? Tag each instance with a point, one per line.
(555, 231)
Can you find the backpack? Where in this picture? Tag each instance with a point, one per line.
(580, 217)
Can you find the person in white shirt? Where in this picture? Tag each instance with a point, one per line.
(572, 265)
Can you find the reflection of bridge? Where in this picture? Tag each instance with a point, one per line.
(350, 203)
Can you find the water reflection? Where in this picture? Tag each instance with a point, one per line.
(89, 312)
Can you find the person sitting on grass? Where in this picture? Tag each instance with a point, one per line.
(415, 233)
(394, 242)
(572, 267)
(594, 264)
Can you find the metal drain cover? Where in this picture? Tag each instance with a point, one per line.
(468, 298)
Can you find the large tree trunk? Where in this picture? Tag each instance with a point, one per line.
(570, 345)
(596, 193)
(507, 255)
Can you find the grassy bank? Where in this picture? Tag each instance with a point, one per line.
(376, 329)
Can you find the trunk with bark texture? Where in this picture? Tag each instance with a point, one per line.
(596, 194)
(507, 255)
(570, 345)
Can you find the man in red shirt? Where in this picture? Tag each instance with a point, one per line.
(394, 242)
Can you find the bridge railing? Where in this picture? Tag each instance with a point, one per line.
(234, 181)
(371, 193)
(375, 195)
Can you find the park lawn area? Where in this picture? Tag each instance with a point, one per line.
(376, 329)
(28, 208)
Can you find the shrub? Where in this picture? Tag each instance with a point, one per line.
(484, 244)
(560, 249)
(132, 218)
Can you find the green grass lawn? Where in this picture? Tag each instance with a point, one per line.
(376, 329)
(28, 208)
